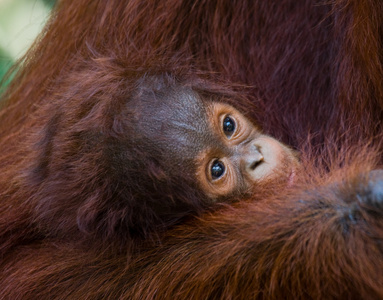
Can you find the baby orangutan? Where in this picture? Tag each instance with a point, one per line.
(129, 163)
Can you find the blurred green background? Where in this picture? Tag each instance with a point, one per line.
(20, 22)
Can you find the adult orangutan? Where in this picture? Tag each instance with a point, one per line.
(309, 73)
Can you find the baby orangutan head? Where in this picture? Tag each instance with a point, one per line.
(194, 137)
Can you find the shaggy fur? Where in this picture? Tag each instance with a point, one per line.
(312, 69)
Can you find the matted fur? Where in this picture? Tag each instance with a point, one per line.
(312, 70)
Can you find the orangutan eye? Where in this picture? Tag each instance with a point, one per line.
(217, 169)
(228, 126)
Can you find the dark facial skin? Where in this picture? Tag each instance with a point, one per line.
(211, 143)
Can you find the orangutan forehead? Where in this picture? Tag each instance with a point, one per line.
(165, 101)
(172, 120)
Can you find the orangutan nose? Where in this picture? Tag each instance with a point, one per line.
(253, 157)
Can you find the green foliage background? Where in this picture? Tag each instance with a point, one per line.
(20, 22)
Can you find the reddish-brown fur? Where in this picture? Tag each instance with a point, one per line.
(313, 70)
